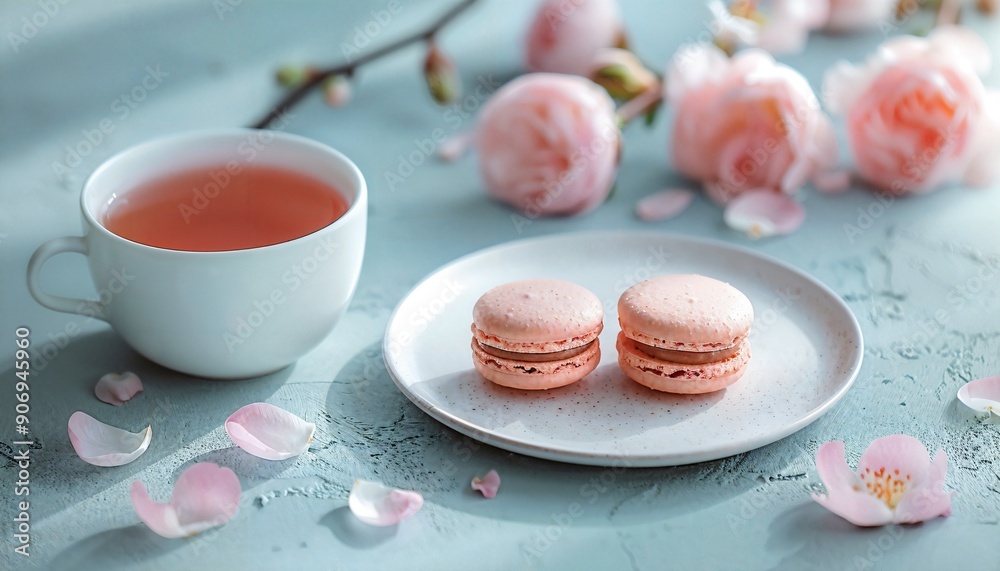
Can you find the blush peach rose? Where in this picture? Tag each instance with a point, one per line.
(566, 34)
(548, 144)
(918, 115)
(746, 123)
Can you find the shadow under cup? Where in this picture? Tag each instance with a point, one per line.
(222, 314)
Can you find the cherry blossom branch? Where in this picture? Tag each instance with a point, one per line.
(317, 78)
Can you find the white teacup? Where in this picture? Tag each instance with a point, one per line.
(228, 314)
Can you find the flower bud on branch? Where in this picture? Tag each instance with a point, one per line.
(442, 77)
(317, 78)
(293, 76)
(337, 91)
(621, 73)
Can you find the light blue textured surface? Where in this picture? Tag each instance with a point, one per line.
(922, 279)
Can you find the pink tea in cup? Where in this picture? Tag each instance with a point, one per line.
(218, 209)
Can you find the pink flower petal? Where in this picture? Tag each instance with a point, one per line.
(938, 470)
(269, 432)
(833, 182)
(104, 445)
(205, 496)
(663, 205)
(380, 505)
(923, 505)
(762, 213)
(846, 495)
(455, 147)
(832, 466)
(797, 175)
(488, 485)
(981, 395)
(117, 389)
(898, 456)
(858, 508)
(929, 502)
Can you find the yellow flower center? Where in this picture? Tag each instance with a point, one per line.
(885, 485)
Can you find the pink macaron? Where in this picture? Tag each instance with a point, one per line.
(684, 334)
(536, 334)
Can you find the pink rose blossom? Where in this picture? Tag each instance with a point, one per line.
(917, 113)
(896, 482)
(746, 123)
(851, 15)
(566, 34)
(548, 144)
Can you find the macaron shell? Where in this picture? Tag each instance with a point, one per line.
(537, 315)
(677, 377)
(535, 376)
(685, 312)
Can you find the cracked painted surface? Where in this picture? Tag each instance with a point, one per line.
(922, 276)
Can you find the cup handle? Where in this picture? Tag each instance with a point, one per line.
(89, 308)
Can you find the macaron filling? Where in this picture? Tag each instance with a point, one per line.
(535, 357)
(687, 357)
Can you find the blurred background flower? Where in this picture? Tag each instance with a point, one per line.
(565, 36)
(548, 144)
(747, 123)
(918, 114)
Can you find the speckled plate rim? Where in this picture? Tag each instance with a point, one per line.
(637, 460)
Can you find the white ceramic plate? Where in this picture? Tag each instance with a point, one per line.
(807, 350)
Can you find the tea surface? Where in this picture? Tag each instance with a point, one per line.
(215, 209)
